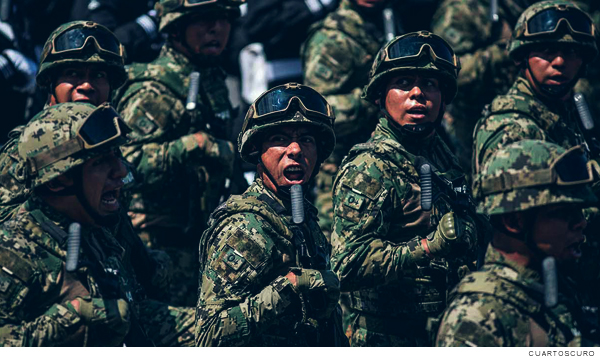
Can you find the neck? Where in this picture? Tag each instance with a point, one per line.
(70, 207)
(513, 249)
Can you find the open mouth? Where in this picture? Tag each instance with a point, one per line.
(418, 111)
(293, 173)
(212, 45)
(110, 198)
(575, 249)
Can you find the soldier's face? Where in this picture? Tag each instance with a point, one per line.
(412, 99)
(554, 65)
(85, 83)
(102, 179)
(290, 155)
(558, 231)
(208, 36)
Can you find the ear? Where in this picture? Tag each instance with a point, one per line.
(513, 222)
(59, 183)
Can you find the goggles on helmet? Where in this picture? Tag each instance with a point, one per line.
(104, 125)
(571, 168)
(411, 48)
(77, 38)
(548, 21)
(278, 100)
(192, 3)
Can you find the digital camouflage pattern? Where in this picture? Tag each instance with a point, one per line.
(495, 194)
(35, 289)
(503, 305)
(245, 298)
(337, 56)
(172, 12)
(519, 115)
(170, 204)
(50, 63)
(487, 70)
(377, 231)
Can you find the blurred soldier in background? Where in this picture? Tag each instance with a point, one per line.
(266, 276)
(178, 147)
(534, 192)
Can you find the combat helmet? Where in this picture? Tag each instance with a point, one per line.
(82, 42)
(533, 173)
(550, 22)
(173, 12)
(282, 105)
(418, 52)
(64, 136)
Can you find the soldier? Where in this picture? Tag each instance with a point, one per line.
(534, 193)
(181, 160)
(396, 258)
(487, 71)
(82, 61)
(77, 284)
(337, 56)
(266, 279)
(552, 43)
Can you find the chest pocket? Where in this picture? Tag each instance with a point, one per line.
(358, 193)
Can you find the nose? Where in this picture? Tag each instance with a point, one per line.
(119, 170)
(578, 222)
(416, 92)
(294, 149)
(85, 83)
(559, 59)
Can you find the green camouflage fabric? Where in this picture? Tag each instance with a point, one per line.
(35, 289)
(503, 305)
(520, 115)
(245, 298)
(486, 71)
(172, 12)
(51, 63)
(337, 56)
(377, 222)
(522, 159)
(171, 203)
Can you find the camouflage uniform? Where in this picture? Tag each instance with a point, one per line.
(179, 179)
(486, 71)
(337, 56)
(504, 303)
(253, 244)
(110, 281)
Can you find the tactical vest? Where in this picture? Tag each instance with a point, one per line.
(528, 301)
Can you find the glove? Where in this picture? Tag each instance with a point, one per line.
(447, 235)
(111, 318)
(18, 70)
(322, 288)
(221, 151)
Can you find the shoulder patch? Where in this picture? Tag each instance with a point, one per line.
(12, 264)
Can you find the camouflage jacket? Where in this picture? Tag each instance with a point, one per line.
(245, 298)
(377, 211)
(503, 305)
(521, 115)
(337, 57)
(35, 288)
(172, 167)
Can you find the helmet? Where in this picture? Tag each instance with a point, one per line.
(66, 135)
(554, 21)
(71, 44)
(282, 105)
(172, 12)
(418, 52)
(533, 173)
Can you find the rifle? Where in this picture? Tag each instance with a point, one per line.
(458, 197)
(587, 122)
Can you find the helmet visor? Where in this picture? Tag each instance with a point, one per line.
(411, 48)
(77, 39)
(548, 21)
(102, 126)
(279, 99)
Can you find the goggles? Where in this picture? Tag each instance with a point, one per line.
(192, 3)
(411, 48)
(571, 168)
(77, 38)
(104, 125)
(278, 100)
(548, 21)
